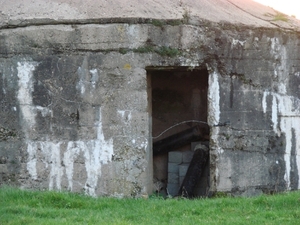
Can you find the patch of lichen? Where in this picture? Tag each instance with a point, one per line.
(161, 23)
(6, 134)
(162, 50)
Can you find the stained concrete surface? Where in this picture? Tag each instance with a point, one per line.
(247, 12)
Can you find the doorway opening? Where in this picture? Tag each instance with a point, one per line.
(178, 115)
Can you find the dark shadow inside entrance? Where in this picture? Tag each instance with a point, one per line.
(179, 124)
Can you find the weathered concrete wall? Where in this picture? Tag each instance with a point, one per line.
(258, 92)
(75, 113)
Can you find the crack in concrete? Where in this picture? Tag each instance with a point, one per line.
(129, 20)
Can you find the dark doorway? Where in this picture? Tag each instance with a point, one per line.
(179, 103)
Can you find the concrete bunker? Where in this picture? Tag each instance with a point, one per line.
(178, 98)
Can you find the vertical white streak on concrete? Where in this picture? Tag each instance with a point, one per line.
(94, 77)
(3, 82)
(56, 167)
(25, 83)
(274, 45)
(73, 150)
(286, 126)
(32, 157)
(214, 99)
(282, 88)
(297, 146)
(133, 33)
(97, 153)
(275, 115)
(214, 117)
(214, 108)
(83, 75)
(93, 165)
(80, 86)
(136, 35)
(264, 101)
(286, 119)
(51, 152)
(91, 168)
(279, 52)
(107, 146)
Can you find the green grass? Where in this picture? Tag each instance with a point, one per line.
(34, 207)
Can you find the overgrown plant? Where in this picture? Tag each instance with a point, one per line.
(167, 51)
(158, 23)
(281, 17)
(144, 49)
(186, 15)
(163, 50)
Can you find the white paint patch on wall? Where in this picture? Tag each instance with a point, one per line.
(144, 145)
(32, 159)
(96, 153)
(56, 165)
(279, 53)
(275, 116)
(44, 110)
(135, 35)
(213, 99)
(94, 77)
(275, 45)
(214, 119)
(87, 78)
(3, 82)
(188, 62)
(83, 74)
(25, 73)
(285, 119)
(25, 83)
(81, 83)
(73, 150)
(56, 159)
(264, 101)
(237, 42)
(125, 114)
